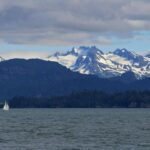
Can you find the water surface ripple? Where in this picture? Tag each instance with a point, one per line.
(75, 129)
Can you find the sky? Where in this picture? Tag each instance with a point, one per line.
(37, 28)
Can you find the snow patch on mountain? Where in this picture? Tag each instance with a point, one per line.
(67, 60)
(1, 59)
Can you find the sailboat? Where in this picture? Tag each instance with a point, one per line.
(6, 106)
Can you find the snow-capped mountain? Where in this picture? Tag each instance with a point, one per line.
(91, 60)
(1, 59)
(147, 55)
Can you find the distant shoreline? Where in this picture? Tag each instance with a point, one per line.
(86, 99)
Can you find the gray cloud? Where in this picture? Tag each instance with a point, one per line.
(71, 22)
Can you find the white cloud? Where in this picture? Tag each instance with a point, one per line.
(24, 54)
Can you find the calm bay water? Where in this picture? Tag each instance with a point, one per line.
(75, 129)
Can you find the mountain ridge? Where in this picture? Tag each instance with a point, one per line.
(91, 60)
(40, 78)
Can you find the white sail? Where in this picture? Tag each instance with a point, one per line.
(6, 106)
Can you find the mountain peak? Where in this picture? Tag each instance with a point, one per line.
(126, 54)
(147, 55)
(121, 51)
(92, 49)
(91, 60)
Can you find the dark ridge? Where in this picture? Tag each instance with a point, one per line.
(39, 78)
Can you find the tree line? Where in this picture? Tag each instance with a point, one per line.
(86, 99)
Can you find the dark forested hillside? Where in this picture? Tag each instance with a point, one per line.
(39, 78)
